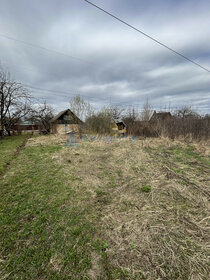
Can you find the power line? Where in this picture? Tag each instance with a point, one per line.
(117, 104)
(105, 100)
(55, 91)
(43, 48)
(68, 94)
(61, 93)
(148, 36)
(8, 64)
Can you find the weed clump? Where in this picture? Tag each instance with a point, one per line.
(146, 188)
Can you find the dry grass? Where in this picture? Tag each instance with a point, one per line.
(159, 234)
(48, 140)
(162, 234)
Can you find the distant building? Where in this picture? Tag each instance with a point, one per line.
(161, 116)
(65, 122)
(118, 127)
(25, 126)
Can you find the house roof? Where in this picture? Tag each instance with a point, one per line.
(160, 115)
(61, 113)
(118, 121)
(58, 115)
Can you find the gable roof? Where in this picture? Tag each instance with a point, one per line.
(118, 121)
(62, 113)
(160, 115)
(58, 115)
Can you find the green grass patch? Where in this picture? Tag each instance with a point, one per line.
(8, 147)
(146, 188)
(187, 155)
(45, 232)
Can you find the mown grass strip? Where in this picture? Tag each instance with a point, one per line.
(44, 232)
(8, 148)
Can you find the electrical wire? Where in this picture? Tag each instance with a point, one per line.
(63, 93)
(45, 49)
(148, 36)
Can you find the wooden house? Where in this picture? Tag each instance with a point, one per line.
(23, 127)
(160, 117)
(65, 122)
(118, 127)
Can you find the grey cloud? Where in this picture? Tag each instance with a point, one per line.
(124, 66)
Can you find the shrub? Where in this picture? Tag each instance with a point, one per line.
(100, 122)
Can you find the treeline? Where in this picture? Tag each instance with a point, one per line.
(192, 126)
(181, 123)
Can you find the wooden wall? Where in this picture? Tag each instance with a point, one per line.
(64, 128)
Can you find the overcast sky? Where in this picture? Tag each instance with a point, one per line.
(112, 63)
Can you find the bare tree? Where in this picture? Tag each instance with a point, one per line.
(186, 112)
(42, 114)
(116, 112)
(14, 102)
(130, 116)
(146, 112)
(81, 108)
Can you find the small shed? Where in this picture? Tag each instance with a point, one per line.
(118, 127)
(65, 122)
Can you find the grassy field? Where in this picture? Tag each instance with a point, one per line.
(120, 210)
